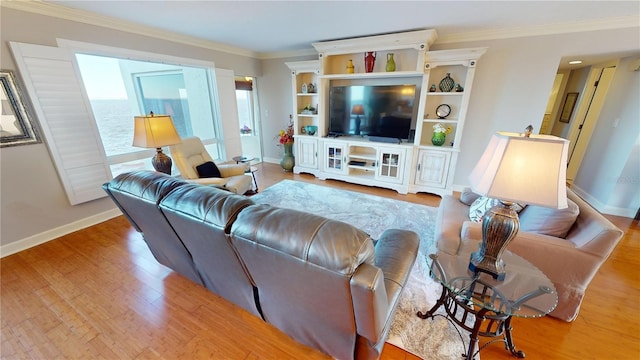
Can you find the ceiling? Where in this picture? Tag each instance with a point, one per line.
(268, 27)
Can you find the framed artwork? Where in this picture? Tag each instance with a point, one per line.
(567, 108)
(17, 127)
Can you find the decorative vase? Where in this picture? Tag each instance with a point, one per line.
(447, 83)
(438, 138)
(391, 64)
(350, 67)
(288, 161)
(432, 88)
(369, 61)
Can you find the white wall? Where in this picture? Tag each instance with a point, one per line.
(610, 170)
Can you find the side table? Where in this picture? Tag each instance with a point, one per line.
(250, 169)
(525, 292)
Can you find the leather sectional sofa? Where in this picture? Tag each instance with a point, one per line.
(324, 283)
(570, 262)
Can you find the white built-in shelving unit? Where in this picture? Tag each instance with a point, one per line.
(415, 166)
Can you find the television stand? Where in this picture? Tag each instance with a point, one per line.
(385, 139)
(361, 161)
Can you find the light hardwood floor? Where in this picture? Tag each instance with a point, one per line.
(98, 293)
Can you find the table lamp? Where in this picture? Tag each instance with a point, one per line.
(357, 110)
(156, 131)
(515, 168)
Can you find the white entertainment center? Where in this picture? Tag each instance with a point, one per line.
(411, 165)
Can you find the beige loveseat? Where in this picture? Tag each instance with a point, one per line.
(570, 263)
(324, 283)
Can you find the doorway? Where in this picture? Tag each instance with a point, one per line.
(591, 86)
(248, 121)
(587, 115)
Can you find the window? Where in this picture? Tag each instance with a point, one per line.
(119, 89)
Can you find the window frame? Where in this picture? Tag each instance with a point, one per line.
(76, 47)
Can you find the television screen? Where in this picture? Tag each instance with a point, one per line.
(372, 110)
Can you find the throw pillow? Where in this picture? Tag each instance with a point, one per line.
(549, 221)
(482, 204)
(479, 207)
(208, 170)
(468, 197)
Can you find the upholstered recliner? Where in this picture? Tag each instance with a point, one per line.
(324, 282)
(191, 153)
(202, 218)
(137, 195)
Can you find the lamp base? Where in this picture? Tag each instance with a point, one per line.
(499, 226)
(161, 162)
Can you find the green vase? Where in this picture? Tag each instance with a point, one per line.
(288, 161)
(438, 138)
(391, 64)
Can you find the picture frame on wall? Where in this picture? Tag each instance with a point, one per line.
(17, 126)
(567, 109)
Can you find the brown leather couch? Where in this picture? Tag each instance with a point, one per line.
(325, 283)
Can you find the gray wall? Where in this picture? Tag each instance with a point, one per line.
(32, 198)
(276, 104)
(512, 86)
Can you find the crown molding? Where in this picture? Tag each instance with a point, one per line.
(288, 54)
(48, 9)
(610, 23)
(63, 12)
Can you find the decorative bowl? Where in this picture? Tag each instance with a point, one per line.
(310, 129)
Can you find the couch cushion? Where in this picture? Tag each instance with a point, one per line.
(482, 204)
(208, 170)
(549, 221)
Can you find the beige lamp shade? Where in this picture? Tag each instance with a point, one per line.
(527, 170)
(154, 131)
(357, 110)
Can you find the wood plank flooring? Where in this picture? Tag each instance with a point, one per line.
(98, 293)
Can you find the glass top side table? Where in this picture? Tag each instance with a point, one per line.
(488, 303)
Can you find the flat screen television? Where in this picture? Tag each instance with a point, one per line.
(384, 111)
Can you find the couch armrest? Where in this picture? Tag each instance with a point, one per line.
(451, 215)
(376, 289)
(369, 301)
(592, 232)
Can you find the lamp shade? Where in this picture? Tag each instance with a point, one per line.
(529, 170)
(357, 110)
(154, 131)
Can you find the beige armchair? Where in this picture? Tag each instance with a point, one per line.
(570, 262)
(191, 153)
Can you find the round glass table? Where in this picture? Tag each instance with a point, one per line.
(484, 306)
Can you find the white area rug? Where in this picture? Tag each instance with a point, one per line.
(431, 338)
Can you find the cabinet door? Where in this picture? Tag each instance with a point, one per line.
(334, 158)
(433, 168)
(390, 164)
(307, 153)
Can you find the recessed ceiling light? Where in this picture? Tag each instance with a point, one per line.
(575, 62)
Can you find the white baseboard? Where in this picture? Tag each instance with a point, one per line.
(49, 235)
(459, 188)
(271, 160)
(603, 208)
